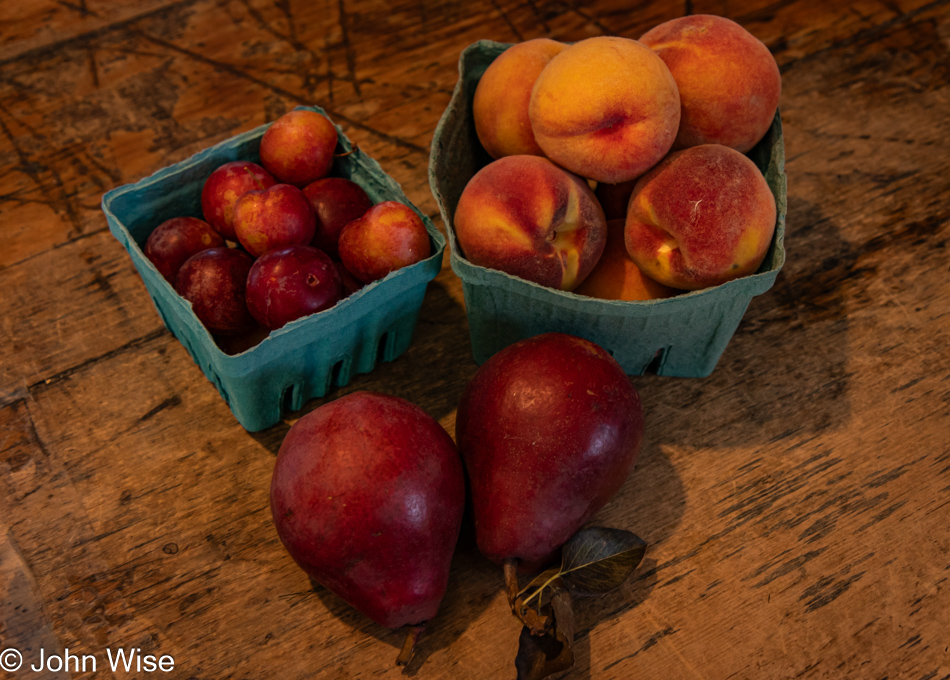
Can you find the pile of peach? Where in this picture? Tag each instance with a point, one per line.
(659, 127)
(283, 239)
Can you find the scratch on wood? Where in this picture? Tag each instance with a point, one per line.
(310, 77)
(501, 12)
(342, 19)
(540, 17)
(32, 55)
(590, 18)
(33, 169)
(826, 591)
(651, 642)
(93, 68)
(81, 8)
(860, 36)
(171, 402)
(228, 68)
(132, 344)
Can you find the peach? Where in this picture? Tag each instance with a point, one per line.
(617, 277)
(525, 216)
(501, 101)
(728, 81)
(703, 216)
(605, 108)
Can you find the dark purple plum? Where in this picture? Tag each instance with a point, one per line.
(351, 284)
(336, 202)
(287, 283)
(214, 281)
(175, 240)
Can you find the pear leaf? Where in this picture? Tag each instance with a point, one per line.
(599, 559)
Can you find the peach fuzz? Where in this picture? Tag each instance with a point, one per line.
(606, 108)
(527, 217)
(500, 108)
(617, 277)
(703, 216)
(728, 80)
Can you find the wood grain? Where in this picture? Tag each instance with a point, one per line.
(796, 502)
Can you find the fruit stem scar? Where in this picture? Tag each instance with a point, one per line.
(352, 150)
(257, 180)
(511, 580)
(409, 646)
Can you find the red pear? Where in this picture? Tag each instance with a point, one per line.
(549, 428)
(367, 496)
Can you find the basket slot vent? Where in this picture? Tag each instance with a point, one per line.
(289, 401)
(387, 342)
(338, 375)
(656, 362)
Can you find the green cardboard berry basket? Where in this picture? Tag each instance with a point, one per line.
(680, 336)
(309, 356)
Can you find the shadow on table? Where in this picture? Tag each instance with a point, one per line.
(474, 582)
(432, 373)
(785, 371)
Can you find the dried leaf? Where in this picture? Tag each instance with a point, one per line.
(541, 655)
(553, 651)
(598, 559)
(563, 615)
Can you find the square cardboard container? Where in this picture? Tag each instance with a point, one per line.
(681, 336)
(309, 356)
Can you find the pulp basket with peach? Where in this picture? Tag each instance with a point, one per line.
(601, 216)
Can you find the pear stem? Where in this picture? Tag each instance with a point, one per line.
(409, 646)
(511, 581)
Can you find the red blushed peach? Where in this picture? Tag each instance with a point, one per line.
(525, 216)
(728, 81)
(617, 277)
(298, 147)
(501, 101)
(606, 108)
(703, 216)
(389, 236)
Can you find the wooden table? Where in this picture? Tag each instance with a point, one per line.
(796, 502)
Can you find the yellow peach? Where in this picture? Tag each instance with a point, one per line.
(500, 108)
(605, 108)
(617, 277)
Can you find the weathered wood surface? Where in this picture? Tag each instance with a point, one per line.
(796, 502)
